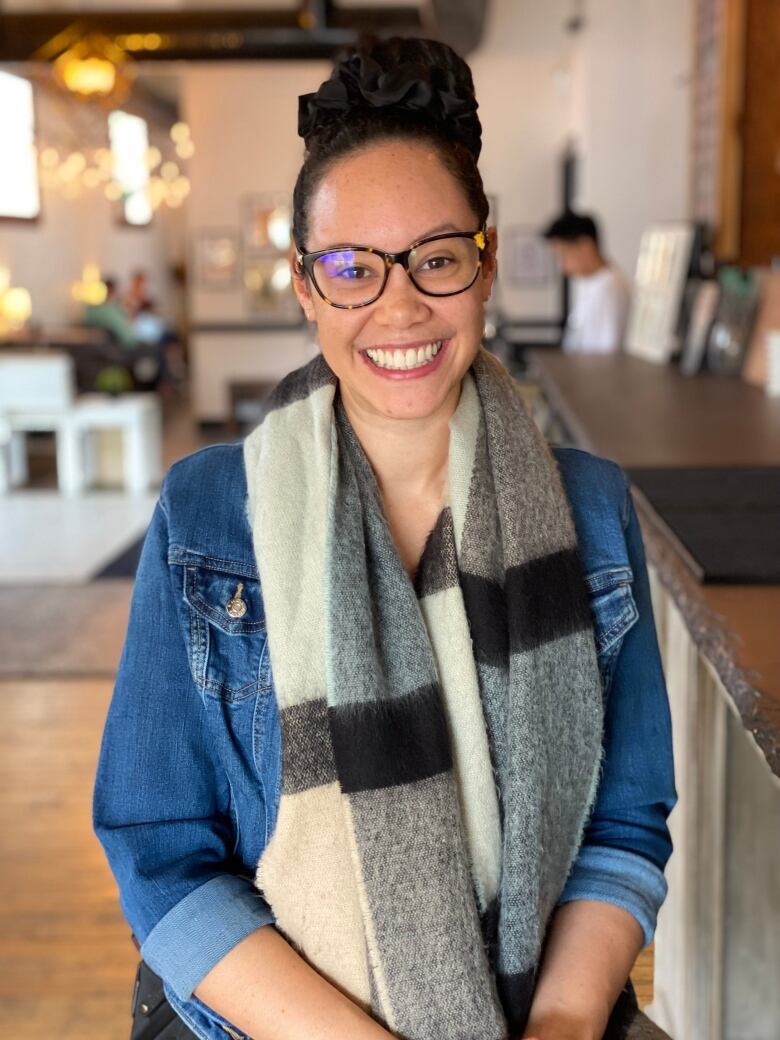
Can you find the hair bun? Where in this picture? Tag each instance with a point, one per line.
(395, 75)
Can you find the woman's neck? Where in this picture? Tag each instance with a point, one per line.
(408, 456)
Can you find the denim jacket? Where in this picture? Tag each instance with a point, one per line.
(188, 781)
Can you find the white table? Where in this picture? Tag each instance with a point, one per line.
(37, 393)
(137, 416)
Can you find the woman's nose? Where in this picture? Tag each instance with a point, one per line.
(401, 304)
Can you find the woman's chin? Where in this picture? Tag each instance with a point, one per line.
(413, 402)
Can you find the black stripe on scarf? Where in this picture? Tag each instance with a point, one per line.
(386, 743)
(542, 600)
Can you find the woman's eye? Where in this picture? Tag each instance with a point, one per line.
(435, 263)
(354, 273)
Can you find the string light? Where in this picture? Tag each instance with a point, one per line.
(73, 172)
(91, 289)
(180, 132)
(16, 307)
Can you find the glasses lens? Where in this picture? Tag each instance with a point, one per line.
(349, 277)
(447, 265)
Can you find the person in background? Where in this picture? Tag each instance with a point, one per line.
(156, 335)
(150, 327)
(111, 316)
(138, 298)
(597, 321)
(144, 338)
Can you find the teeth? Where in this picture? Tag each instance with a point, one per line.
(400, 360)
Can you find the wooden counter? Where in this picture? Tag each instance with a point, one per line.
(717, 945)
(640, 414)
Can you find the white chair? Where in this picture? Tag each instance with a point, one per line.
(37, 393)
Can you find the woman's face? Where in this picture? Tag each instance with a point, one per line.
(389, 196)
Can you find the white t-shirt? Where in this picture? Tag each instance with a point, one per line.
(597, 321)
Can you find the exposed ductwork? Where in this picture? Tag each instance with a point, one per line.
(316, 29)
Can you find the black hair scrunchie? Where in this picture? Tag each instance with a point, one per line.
(360, 82)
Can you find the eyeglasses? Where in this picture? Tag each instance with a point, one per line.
(354, 276)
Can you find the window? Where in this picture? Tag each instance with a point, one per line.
(129, 142)
(19, 192)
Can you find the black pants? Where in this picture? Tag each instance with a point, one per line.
(155, 1019)
(153, 1016)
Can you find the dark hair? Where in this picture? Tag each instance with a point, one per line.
(570, 226)
(110, 284)
(419, 90)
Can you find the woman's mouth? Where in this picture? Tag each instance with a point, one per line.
(403, 362)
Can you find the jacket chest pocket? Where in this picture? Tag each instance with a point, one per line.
(614, 612)
(228, 646)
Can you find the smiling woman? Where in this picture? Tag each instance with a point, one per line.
(416, 744)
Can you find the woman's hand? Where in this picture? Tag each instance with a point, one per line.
(559, 1026)
(589, 950)
(564, 1032)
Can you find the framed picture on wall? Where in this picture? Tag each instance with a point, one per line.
(217, 258)
(527, 260)
(268, 291)
(266, 223)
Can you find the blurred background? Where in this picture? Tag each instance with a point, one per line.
(147, 158)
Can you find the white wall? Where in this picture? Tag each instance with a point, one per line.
(248, 115)
(526, 112)
(620, 90)
(635, 118)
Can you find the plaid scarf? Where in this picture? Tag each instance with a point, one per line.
(441, 739)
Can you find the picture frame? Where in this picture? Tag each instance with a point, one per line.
(217, 259)
(266, 223)
(657, 294)
(705, 305)
(527, 260)
(268, 292)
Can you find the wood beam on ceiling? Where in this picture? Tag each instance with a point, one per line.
(316, 30)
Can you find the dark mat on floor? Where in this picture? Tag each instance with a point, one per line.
(63, 630)
(725, 520)
(124, 565)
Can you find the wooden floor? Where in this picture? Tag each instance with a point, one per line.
(66, 960)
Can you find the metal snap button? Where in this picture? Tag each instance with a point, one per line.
(236, 606)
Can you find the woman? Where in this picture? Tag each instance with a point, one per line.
(452, 793)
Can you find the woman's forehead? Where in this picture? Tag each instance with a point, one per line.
(387, 196)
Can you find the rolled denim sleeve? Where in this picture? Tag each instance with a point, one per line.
(161, 805)
(627, 843)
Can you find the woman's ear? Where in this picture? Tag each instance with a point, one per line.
(301, 287)
(489, 263)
